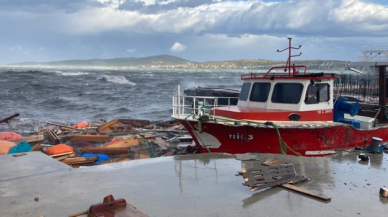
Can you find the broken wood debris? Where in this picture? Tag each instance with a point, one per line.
(274, 172)
(9, 118)
(89, 138)
(79, 160)
(143, 140)
(52, 137)
(30, 139)
(106, 150)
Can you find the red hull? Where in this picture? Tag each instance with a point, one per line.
(306, 141)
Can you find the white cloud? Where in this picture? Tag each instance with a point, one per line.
(18, 48)
(177, 47)
(155, 25)
(130, 50)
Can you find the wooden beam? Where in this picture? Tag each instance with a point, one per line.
(306, 192)
(105, 150)
(64, 157)
(79, 160)
(106, 127)
(90, 138)
(62, 154)
(37, 147)
(9, 118)
(29, 139)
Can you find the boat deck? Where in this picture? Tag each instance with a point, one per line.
(191, 185)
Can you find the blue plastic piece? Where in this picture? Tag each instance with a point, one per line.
(341, 107)
(381, 149)
(101, 157)
(19, 148)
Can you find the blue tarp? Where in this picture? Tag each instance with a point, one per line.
(101, 157)
(19, 148)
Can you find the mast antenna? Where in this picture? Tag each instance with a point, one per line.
(288, 65)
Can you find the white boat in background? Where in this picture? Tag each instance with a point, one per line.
(376, 56)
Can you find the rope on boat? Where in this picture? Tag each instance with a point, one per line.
(282, 143)
(199, 128)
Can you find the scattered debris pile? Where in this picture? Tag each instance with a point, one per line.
(119, 140)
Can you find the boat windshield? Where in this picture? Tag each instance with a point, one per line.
(317, 93)
(260, 92)
(245, 91)
(289, 93)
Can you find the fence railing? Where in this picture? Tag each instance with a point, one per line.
(183, 106)
(361, 88)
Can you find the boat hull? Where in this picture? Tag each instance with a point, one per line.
(305, 140)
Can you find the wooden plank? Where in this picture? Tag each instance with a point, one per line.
(79, 213)
(36, 147)
(106, 127)
(271, 184)
(19, 154)
(79, 160)
(58, 155)
(90, 138)
(306, 192)
(64, 157)
(9, 118)
(29, 139)
(134, 141)
(147, 136)
(272, 162)
(105, 150)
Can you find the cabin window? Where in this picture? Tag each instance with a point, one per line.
(287, 93)
(245, 91)
(317, 93)
(260, 92)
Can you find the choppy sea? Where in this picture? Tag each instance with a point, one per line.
(72, 95)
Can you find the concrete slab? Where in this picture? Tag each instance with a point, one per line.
(32, 164)
(202, 185)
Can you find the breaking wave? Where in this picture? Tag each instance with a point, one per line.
(117, 80)
(71, 73)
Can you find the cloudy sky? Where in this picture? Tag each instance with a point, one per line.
(197, 30)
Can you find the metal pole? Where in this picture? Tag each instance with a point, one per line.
(179, 100)
(289, 56)
(382, 91)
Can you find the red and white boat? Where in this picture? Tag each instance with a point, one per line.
(289, 112)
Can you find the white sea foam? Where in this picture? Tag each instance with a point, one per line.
(71, 73)
(117, 80)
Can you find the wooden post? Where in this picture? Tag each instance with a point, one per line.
(382, 92)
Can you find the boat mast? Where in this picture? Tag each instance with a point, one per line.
(288, 65)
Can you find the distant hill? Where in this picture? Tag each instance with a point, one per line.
(168, 61)
(130, 61)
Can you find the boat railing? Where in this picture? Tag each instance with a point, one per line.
(296, 70)
(184, 106)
